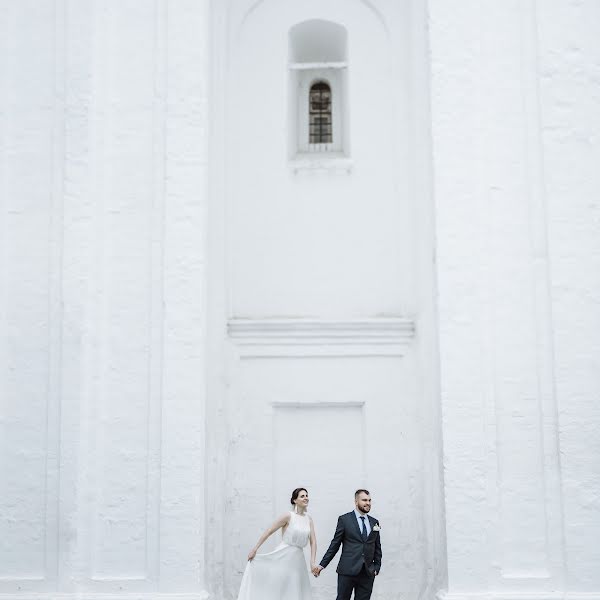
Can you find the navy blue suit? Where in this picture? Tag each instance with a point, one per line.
(360, 558)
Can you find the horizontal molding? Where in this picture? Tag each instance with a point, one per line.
(317, 405)
(314, 337)
(300, 66)
(203, 595)
(516, 595)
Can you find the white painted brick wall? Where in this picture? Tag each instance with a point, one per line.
(515, 114)
(570, 109)
(103, 200)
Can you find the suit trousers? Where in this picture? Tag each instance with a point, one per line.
(362, 584)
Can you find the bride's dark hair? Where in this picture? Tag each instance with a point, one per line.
(296, 493)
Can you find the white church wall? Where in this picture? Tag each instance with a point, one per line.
(112, 258)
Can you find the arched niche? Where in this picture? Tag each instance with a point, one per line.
(317, 40)
(318, 55)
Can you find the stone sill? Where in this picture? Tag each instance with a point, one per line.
(321, 163)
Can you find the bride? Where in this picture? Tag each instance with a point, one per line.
(282, 574)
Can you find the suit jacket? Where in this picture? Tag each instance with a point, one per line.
(355, 551)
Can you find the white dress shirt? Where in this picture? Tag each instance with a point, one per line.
(360, 521)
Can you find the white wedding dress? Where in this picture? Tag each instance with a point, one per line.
(283, 573)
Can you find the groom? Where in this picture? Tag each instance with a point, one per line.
(360, 562)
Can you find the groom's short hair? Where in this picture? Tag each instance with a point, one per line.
(357, 493)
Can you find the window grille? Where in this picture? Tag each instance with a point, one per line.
(320, 130)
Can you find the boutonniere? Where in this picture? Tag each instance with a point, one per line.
(377, 527)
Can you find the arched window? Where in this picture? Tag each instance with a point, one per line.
(319, 114)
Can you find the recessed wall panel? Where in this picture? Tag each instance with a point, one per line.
(321, 447)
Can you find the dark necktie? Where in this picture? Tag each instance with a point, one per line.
(364, 529)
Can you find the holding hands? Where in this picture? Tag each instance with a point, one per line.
(316, 570)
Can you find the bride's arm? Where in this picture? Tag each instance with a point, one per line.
(313, 545)
(282, 521)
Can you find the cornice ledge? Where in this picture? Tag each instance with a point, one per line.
(307, 337)
(516, 595)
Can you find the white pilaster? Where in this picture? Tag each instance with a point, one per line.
(515, 105)
(502, 468)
